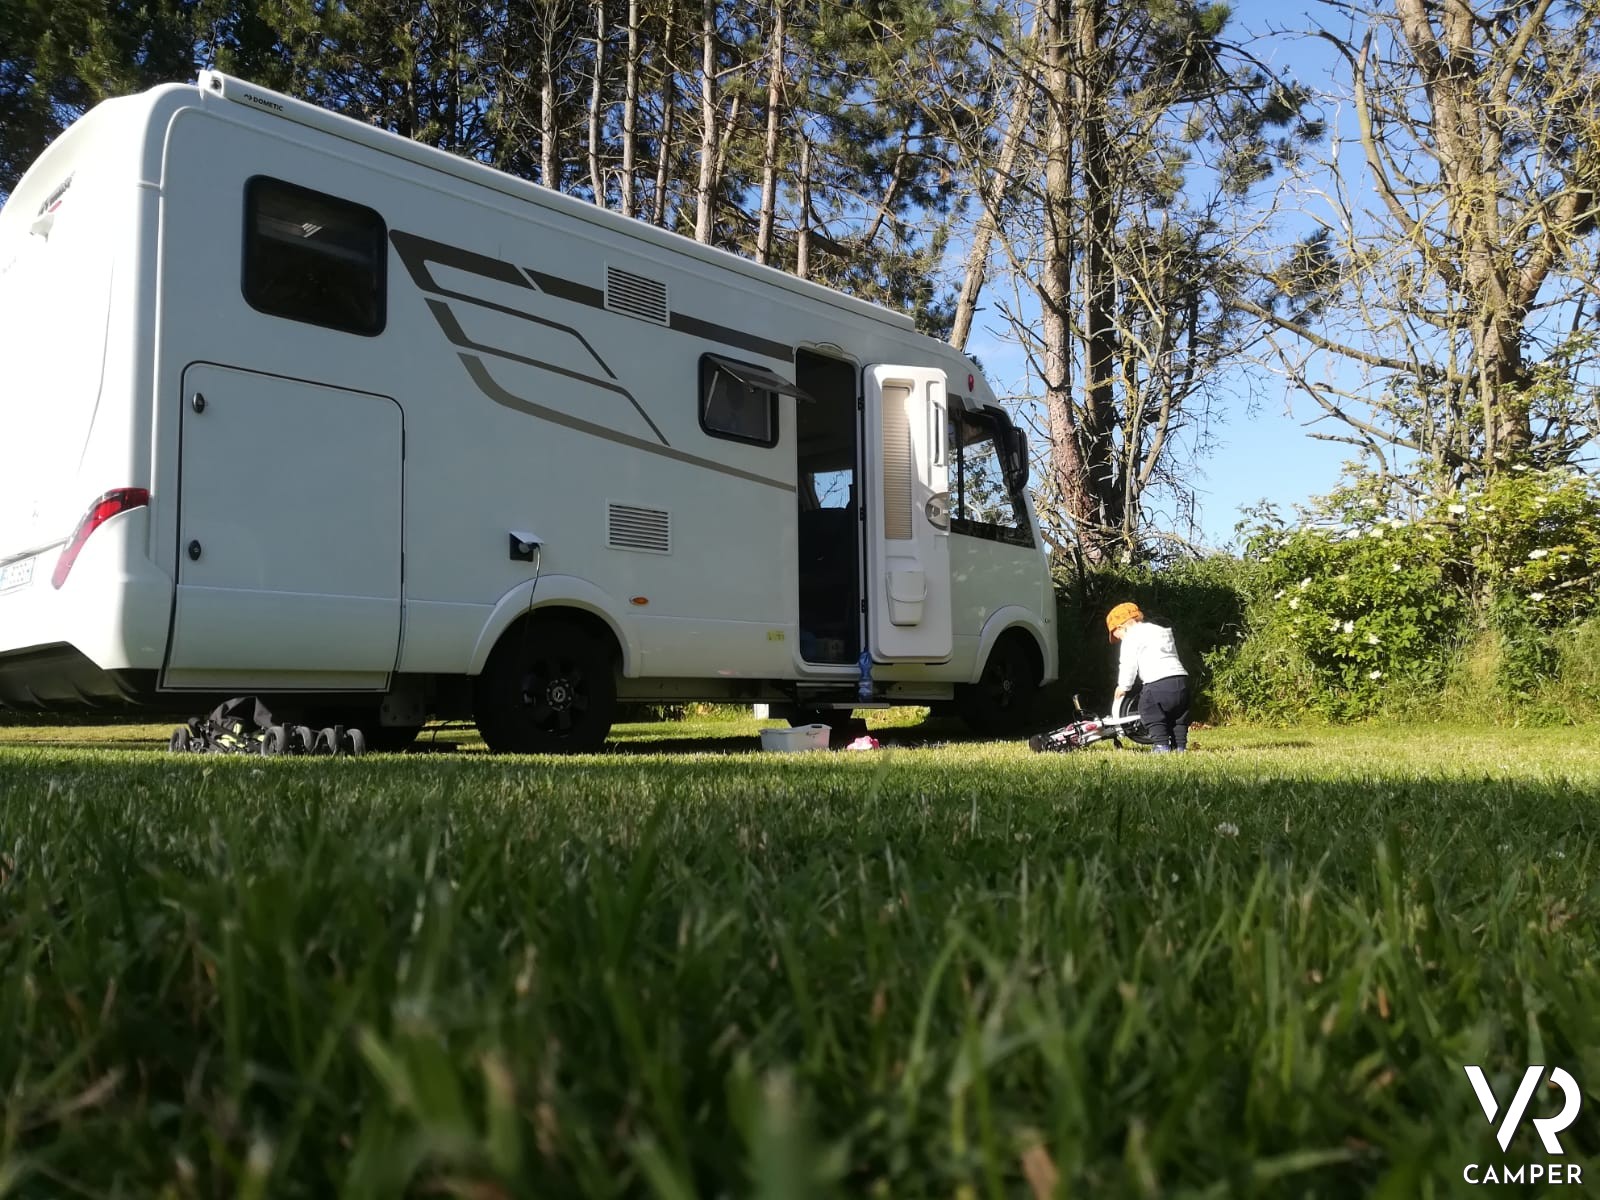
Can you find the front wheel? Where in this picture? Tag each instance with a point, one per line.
(1002, 701)
(548, 688)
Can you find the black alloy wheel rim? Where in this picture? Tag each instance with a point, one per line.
(556, 694)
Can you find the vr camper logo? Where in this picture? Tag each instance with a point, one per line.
(1546, 1127)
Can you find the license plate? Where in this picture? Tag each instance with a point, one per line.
(17, 574)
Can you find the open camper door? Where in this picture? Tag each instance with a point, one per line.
(908, 514)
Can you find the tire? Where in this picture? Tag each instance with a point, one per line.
(276, 742)
(1128, 706)
(305, 739)
(178, 743)
(355, 743)
(1004, 698)
(548, 688)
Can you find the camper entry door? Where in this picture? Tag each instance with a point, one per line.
(908, 514)
(289, 535)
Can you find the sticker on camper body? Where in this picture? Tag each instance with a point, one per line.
(17, 574)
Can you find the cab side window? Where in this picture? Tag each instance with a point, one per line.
(313, 257)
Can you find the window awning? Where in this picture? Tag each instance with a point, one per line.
(758, 378)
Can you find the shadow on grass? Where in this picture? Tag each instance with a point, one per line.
(627, 741)
(935, 731)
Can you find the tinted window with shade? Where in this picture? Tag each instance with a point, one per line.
(313, 257)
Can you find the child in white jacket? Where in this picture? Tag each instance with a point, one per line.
(1149, 654)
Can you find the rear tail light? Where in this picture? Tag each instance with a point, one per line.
(118, 500)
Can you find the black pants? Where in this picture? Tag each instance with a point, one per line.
(1164, 709)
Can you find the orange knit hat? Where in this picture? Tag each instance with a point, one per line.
(1121, 615)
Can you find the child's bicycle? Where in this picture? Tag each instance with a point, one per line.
(1087, 730)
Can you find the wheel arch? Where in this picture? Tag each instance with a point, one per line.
(1020, 624)
(560, 596)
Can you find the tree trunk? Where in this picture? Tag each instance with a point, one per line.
(769, 155)
(1091, 87)
(630, 112)
(597, 179)
(549, 169)
(669, 109)
(708, 121)
(802, 241)
(1055, 290)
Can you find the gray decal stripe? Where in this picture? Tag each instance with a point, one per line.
(416, 258)
(417, 252)
(458, 336)
(567, 289)
(713, 332)
(487, 385)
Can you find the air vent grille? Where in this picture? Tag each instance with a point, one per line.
(633, 528)
(899, 466)
(636, 295)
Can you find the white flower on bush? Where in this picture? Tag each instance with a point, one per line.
(1294, 601)
(1228, 829)
(1538, 553)
(1372, 639)
(1536, 596)
(1393, 567)
(1349, 626)
(1374, 674)
(1377, 533)
(1306, 582)
(1278, 595)
(1458, 509)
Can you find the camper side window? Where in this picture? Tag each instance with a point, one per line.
(314, 258)
(739, 401)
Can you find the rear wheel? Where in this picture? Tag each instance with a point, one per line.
(1002, 701)
(1128, 706)
(548, 688)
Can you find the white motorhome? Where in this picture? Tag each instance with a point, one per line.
(296, 407)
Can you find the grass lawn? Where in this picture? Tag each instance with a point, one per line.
(684, 969)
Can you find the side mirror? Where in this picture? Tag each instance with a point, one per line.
(1014, 457)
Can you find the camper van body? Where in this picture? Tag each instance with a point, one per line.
(296, 407)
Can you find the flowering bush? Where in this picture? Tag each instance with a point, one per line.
(1361, 605)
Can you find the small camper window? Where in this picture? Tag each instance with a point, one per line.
(314, 258)
(740, 400)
